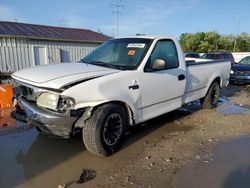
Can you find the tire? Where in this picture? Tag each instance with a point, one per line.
(212, 97)
(104, 131)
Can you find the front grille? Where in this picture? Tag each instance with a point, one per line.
(29, 93)
(242, 72)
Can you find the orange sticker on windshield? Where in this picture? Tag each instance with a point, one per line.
(131, 52)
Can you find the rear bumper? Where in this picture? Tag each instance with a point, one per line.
(51, 123)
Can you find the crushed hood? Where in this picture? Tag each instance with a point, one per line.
(57, 76)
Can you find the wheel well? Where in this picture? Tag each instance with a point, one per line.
(125, 106)
(217, 79)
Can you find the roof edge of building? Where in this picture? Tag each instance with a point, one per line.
(52, 39)
(42, 25)
(80, 34)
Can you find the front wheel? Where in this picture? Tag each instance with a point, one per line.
(212, 97)
(105, 130)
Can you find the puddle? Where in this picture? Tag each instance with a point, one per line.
(191, 107)
(228, 108)
(222, 100)
(224, 106)
(228, 167)
(11, 172)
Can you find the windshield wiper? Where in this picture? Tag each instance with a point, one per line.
(103, 64)
(83, 61)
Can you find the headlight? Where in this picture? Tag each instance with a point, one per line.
(48, 100)
(232, 72)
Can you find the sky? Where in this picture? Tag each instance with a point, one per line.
(150, 17)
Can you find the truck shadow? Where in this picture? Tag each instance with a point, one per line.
(232, 89)
(159, 127)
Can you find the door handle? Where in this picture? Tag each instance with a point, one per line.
(181, 77)
(133, 87)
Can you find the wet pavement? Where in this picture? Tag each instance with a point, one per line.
(11, 147)
(28, 158)
(228, 108)
(227, 167)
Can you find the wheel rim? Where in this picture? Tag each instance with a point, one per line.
(214, 95)
(112, 129)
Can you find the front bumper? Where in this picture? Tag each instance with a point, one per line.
(51, 123)
(240, 78)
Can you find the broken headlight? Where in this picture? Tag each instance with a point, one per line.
(65, 103)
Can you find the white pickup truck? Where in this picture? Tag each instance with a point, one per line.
(122, 83)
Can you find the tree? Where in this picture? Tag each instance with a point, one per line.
(225, 43)
(243, 43)
(203, 42)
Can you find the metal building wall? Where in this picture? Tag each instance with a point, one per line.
(18, 53)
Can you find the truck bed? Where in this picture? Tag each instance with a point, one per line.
(200, 74)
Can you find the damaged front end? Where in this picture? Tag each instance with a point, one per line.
(48, 110)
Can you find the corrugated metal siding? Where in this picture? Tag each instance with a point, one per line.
(17, 53)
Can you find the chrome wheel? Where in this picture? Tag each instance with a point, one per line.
(112, 130)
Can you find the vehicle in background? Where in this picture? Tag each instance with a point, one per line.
(219, 56)
(192, 55)
(240, 72)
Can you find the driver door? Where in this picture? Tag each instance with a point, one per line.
(162, 90)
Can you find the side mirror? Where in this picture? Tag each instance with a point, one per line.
(159, 64)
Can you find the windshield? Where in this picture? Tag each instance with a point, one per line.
(123, 54)
(245, 60)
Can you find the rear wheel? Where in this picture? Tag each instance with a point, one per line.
(105, 130)
(212, 97)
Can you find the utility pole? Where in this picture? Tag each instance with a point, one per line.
(237, 33)
(116, 6)
(64, 22)
(99, 30)
(216, 45)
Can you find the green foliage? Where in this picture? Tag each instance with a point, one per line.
(243, 43)
(203, 42)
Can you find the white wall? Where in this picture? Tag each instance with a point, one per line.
(239, 55)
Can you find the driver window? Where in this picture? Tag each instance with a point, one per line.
(166, 50)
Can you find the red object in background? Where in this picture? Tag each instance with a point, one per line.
(6, 95)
